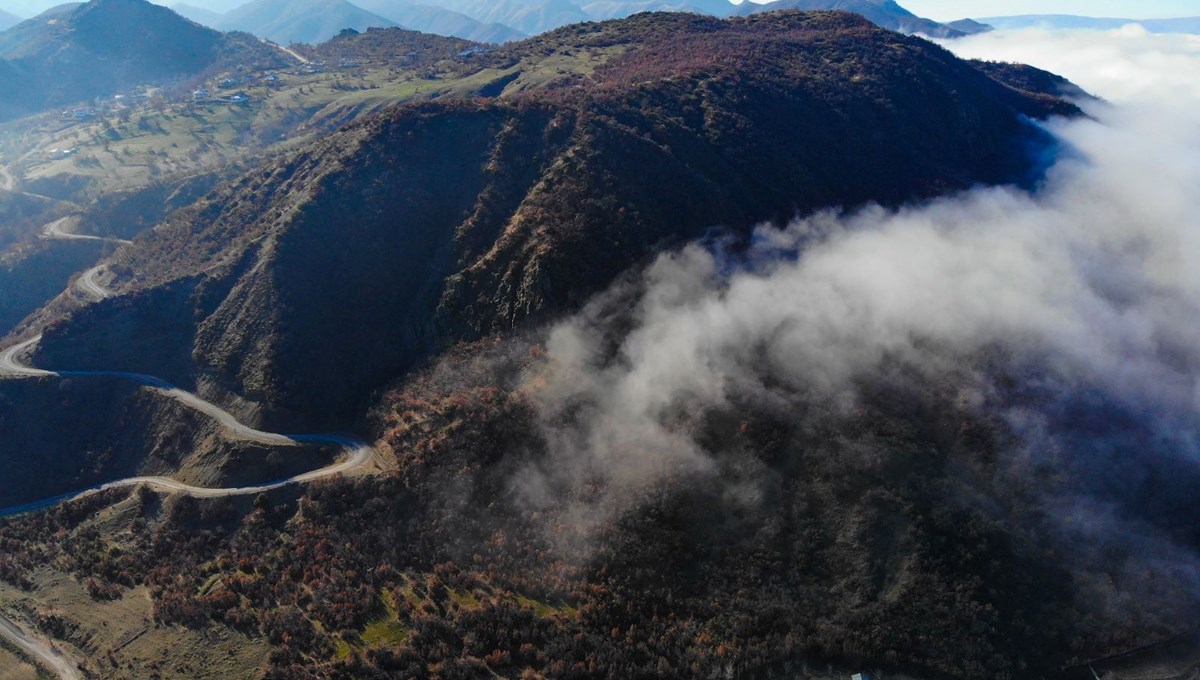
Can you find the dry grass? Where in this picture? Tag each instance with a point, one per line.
(125, 628)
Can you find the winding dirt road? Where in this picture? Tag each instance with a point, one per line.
(86, 283)
(90, 287)
(358, 454)
(286, 50)
(40, 650)
(57, 230)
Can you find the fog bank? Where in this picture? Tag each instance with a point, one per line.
(1086, 290)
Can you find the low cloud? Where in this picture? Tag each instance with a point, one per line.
(1088, 287)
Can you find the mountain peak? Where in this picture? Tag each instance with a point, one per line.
(98, 48)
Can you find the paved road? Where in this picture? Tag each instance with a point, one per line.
(41, 651)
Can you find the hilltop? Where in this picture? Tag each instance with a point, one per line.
(441, 21)
(382, 45)
(885, 13)
(481, 216)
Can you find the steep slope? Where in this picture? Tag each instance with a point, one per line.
(79, 52)
(306, 284)
(885, 13)
(304, 21)
(428, 18)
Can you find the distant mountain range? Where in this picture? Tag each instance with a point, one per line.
(200, 15)
(428, 18)
(7, 20)
(1181, 25)
(499, 21)
(303, 21)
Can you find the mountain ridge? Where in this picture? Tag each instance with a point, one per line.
(504, 248)
(303, 21)
(8, 20)
(885, 13)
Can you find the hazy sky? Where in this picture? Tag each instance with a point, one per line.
(944, 10)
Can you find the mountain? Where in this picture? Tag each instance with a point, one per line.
(396, 276)
(200, 15)
(619, 9)
(527, 16)
(885, 13)
(383, 45)
(214, 6)
(111, 31)
(77, 52)
(7, 20)
(969, 26)
(300, 21)
(440, 21)
(473, 217)
(1069, 21)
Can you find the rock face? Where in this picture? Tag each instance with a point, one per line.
(306, 284)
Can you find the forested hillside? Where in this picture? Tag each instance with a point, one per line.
(472, 217)
(466, 280)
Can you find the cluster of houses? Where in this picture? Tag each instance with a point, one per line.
(100, 106)
(201, 95)
(79, 113)
(204, 96)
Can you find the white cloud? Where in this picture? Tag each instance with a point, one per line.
(1129, 66)
(1094, 279)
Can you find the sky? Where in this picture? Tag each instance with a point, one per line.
(947, 10)
(941, 10)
